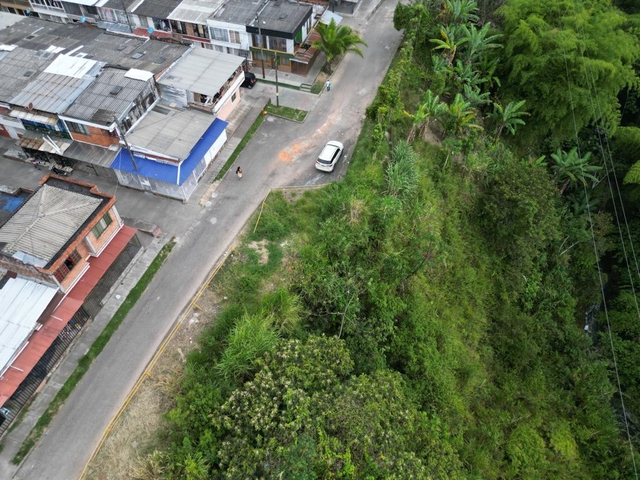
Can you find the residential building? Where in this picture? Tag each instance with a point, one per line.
(91, 104)
(54, 250)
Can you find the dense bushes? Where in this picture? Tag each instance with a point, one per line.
(421, 318)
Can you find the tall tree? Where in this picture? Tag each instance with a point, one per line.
(336, 40)
(569, 60)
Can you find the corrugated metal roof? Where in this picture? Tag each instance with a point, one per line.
(156, 8)
(94, 43)
(76, 67)
(169, 131)
(42, 339)
(39, 117)
(46, 222)
(202, 71)
(195, 11)
(54, 92)
(109, 95)
(239, 12)
(37, 141)
(92, 154)
(23, 301)
(19, 67)
(173, 174)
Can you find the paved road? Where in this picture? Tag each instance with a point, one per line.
(78, 427)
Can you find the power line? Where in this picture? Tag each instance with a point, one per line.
(595, 248)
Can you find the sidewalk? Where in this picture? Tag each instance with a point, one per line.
(51, 386)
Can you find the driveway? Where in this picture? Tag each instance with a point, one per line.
(338, 114)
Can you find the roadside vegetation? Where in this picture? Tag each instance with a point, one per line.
(289, 113)
(85, 362)
(425, 317)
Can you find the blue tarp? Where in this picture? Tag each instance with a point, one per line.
(169, 173)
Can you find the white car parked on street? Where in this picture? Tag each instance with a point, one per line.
(329, 156)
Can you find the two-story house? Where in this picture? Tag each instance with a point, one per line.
(54, 250)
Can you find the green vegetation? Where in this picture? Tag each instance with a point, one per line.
(336, 40)
(317, 87)
(85, 362)
(243, 143)
(287, 112)
(424, 317)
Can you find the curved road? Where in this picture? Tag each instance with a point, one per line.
(79, 425)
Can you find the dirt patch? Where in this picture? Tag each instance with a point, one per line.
(135, 434)
(261, 249)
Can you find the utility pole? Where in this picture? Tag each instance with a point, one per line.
(123, 138)
(257, 20)
(277, 92)
(126, 14)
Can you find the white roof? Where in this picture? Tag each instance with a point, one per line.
(202, 71)
(195, 11)
(46, 222)
(136, 74)
(23, 301)
(76, 67)
(328, 15)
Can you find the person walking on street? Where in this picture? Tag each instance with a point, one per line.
(328, 85)
(239, 172)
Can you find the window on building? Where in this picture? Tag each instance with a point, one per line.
(200, 30)
(284, 60)
(102, 225)
(49, 3)
(91, 10)
(219, 48)
(234, 36)
(220, 34)
(178, 27)
(63, 270)
(233, 97)
(279, 44)
(78, 128)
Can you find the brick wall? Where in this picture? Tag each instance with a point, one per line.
(83, 251)
(22, 269)
(99, 243)
(97, 136)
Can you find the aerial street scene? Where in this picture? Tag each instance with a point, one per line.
(319, 239)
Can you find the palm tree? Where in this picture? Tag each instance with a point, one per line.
(571, 169)
(336, 40)
(507, 117)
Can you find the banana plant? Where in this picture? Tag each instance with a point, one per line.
(508, 117)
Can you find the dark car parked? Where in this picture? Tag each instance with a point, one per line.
(249, 80)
